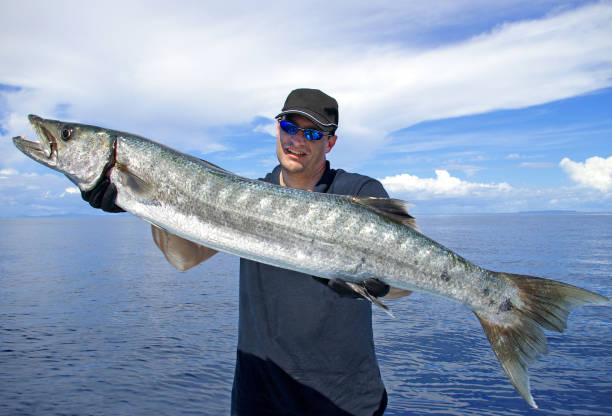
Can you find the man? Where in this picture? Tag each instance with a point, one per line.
(303, 349)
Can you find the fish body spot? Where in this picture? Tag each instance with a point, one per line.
(506, 306)
(486, 291)
(444, 276)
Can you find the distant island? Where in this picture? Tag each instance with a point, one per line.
(550, 211)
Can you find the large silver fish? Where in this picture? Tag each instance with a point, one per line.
(319, 234)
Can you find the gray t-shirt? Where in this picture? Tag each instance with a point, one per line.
(303, 349)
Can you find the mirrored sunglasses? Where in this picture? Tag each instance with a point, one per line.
(309, 134)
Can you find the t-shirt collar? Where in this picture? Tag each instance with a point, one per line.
(322, 186)
(325, 181)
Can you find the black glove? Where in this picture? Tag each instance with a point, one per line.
(103, 196)
(374, 287)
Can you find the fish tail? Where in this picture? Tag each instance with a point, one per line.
(518, 339)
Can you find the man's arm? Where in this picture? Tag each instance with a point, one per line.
(181, 253)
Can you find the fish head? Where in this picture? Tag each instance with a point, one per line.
(81, 152)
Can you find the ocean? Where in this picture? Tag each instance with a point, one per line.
(94, 321)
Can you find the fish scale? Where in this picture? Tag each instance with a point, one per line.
(329, 236)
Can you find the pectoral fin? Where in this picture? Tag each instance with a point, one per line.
(135, 185)
(181, 253)
(364, 293)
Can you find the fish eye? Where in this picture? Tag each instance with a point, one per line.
(66, 133)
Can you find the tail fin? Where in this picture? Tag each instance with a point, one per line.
(520, 341)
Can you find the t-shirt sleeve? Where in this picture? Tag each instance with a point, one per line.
(374, 188)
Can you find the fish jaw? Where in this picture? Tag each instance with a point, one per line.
(82, 152)
(45, 150)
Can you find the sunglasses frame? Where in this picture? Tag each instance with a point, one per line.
(306, 132)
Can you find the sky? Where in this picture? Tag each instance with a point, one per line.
(455, 106)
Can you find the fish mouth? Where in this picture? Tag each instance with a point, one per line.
(45, 150)
(47, 141)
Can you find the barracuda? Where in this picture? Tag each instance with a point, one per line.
(330, 236)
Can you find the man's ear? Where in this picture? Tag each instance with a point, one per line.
(331, 142)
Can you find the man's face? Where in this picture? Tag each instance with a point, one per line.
(298, 155)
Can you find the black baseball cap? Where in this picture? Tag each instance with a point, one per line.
(315, 105)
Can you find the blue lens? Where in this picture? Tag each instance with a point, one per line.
(309, 134)
(289, 127)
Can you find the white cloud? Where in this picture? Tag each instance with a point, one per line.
(141, 71)
(267, 128)
(595, 172)
(68, 191)
(537, 165)
(442, 186)
(453, 196)
(175, 72)
(208, 147)
(7, 172)
(469, 170)
(31, 194)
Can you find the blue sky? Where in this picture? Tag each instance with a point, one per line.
(456, 106)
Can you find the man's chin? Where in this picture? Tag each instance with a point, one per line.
(292, 168)
(291, 165)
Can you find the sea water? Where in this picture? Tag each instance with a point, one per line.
(94, 321)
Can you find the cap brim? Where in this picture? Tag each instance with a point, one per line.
(326, 127)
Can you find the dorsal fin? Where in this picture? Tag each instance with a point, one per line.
(212, 165)
(394, 209)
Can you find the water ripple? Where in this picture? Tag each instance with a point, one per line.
(87, 329)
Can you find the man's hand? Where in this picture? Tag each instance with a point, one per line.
(374, 287)
(103, 196)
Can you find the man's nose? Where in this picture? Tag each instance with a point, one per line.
(298, 137)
